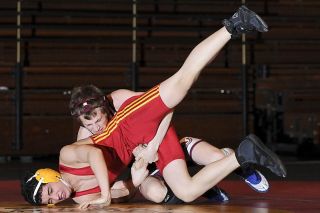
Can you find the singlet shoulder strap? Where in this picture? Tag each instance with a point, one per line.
(80, 172)
(88, 191)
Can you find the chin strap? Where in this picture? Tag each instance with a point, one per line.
(46, 176)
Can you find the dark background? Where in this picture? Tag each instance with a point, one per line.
(69, 43)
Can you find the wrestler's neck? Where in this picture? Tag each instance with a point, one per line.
(67, 181)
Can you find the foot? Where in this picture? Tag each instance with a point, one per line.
(216, 194)
(244, 21)
(252, 151)
(256, 181)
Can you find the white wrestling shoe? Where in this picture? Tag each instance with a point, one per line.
(257, 181)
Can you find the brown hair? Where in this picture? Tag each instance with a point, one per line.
(85, 99)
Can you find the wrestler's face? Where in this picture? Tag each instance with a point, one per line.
(97, 123)
(56, 192)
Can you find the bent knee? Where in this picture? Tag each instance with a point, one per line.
(158, 195)
(186, 196)
(154, 191)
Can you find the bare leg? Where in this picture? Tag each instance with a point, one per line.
(189, 188)
(174, 89)
(199, 57)
(201, 152)
(153, 189)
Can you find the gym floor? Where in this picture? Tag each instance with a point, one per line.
(298, 193)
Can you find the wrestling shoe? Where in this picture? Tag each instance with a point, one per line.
(244, 21)
(256, 181)
(216, 194)
(252, 151)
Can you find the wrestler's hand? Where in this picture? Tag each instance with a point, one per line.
(139, 172)
(102, 201)
(138, 149)
(148, 154)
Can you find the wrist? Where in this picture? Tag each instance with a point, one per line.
(106, 195)
(133, 184)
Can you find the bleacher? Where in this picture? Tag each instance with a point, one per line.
(70, 43)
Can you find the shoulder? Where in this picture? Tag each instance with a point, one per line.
(67, 150)
(74, 154)
(65, 153)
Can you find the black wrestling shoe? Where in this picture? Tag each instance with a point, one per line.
(244, 21)
(252, 150)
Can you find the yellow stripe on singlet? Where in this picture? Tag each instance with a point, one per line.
(120, 115)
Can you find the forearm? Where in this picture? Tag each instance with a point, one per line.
(149, 154)
(83, 133)
(99, 168)
(161, 132)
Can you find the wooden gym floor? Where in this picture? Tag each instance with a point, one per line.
(298, 193)
(283, 196)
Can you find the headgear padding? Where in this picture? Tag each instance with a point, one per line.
(44, 176)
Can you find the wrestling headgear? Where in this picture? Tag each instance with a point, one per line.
(46, 176)
(87, 105)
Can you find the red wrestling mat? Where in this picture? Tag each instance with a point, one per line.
(283, 196)
(296, 196)
(10, 191)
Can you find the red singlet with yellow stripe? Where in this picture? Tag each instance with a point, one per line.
(137, 122)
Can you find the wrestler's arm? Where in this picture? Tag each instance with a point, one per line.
(121, 191)
(83, 136)
(117, 196)
(77, 154)
(147, 155)
(85, 141)
(150, 153)
(83, 133)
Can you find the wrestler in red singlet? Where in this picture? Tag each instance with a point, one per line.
(136, 122)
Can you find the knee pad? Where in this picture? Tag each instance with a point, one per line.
(188, 144)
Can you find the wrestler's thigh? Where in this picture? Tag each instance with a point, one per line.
(173, 90)
(204, 153)
(176, 176)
